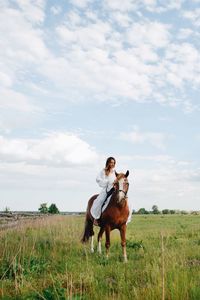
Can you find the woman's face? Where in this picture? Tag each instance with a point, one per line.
(112, 164)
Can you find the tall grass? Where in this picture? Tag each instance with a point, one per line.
(44, 259)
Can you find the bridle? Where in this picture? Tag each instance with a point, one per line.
(120, 190)
(115, 189)
(125, 193)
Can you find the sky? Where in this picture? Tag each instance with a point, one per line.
(84, 80)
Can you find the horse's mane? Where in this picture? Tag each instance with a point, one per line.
(120, 175)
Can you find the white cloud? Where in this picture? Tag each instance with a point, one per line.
(156, 139)
(153, 33)
(127, 5)
(80, 3)
(61, 149)
(193, 16)
(96, 60)
(21, 42)
(184, 33)
(183, 63)
(160, 179)
(5, 80)
(16, 101)
(121, 19)
(154, 6)
(21, 49)
(32, 10)
(73, 18)
(87, 36)
(56, 10)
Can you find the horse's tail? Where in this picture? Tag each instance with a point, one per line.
(88, 230)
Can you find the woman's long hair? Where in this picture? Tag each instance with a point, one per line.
(107, 168)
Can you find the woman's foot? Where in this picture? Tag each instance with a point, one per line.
(96, 223)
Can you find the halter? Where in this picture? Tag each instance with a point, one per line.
(125, 193)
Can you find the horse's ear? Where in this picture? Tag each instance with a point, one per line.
(116, 174)
(127, 173)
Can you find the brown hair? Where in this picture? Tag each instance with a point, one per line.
(107, 167)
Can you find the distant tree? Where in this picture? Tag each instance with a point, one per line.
(184, 212)
(53, 209)
(165, 211)
(172, 211)
(43, 208)
(7, 209)
(142, 211)
(155, 209)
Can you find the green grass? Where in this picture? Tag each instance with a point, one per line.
(44, 259)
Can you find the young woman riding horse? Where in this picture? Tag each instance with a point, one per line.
(106, 179)
(115, 216)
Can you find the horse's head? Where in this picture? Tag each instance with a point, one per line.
(121, 186)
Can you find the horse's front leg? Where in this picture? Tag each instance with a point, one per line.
(123, 241)
(107, 229)
(99, 239)
(92, 244)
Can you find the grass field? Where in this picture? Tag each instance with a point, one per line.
(44, 259)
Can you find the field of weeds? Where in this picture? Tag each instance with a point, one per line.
(44, 259)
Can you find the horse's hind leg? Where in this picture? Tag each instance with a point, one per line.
(99, 238)
(92, 244)
(123, 241)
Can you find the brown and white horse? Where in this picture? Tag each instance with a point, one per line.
(114, 216)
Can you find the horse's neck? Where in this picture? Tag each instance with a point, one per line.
(119, 205)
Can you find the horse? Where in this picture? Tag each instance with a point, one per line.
(115, 216)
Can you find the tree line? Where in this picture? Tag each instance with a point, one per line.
(166, 211)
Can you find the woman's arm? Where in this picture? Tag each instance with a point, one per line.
(102, 180)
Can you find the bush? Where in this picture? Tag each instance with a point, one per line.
(53, 209)
(166, 211)
(43, 208)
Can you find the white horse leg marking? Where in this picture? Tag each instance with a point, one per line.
(92, 244)
(125, 255)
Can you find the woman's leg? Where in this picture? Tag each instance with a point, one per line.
(97, 204)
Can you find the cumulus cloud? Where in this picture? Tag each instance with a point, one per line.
(61, 149)
(153, 33)
(16, 101)
(193, 16)
(80, 3)
(156, 139)
(97, 59)
(162, 180)
(56, 10)
(32, 10)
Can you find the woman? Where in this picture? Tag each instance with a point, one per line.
(106, 180)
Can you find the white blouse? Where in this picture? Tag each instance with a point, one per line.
(105, 181)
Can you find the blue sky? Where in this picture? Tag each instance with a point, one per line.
(84, 80)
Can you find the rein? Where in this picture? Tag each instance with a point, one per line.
(125, 193)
